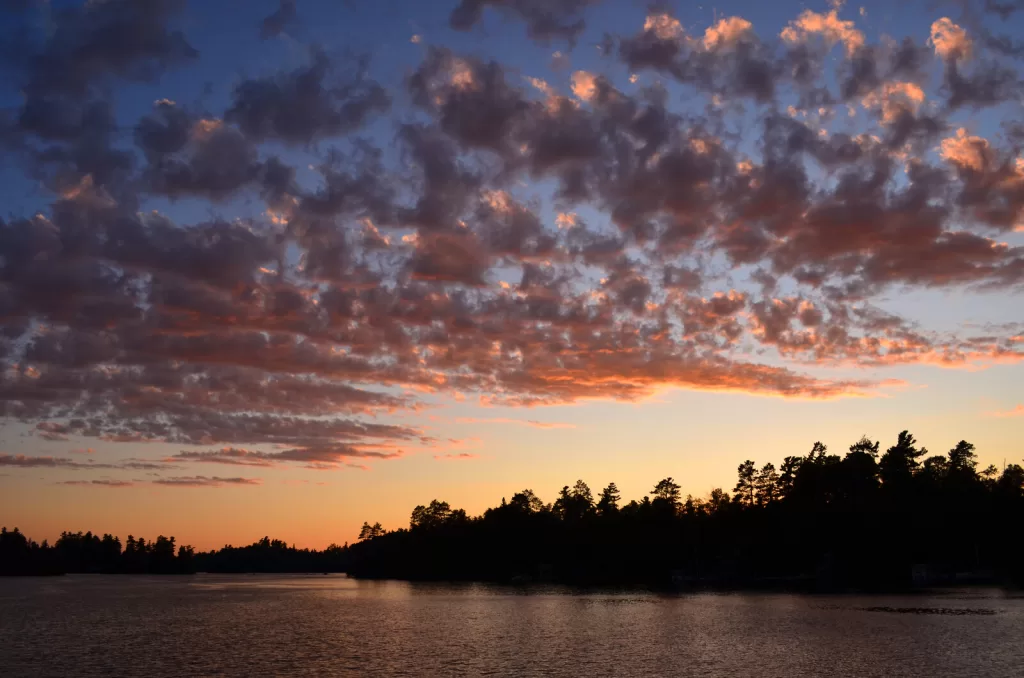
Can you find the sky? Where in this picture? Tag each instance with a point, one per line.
(281, 267)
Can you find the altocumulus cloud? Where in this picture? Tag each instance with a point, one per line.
(426, 259)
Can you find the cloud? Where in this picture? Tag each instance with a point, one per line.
(24, 461)
(48, 430)
(966, 151)
(461, 456)
(949, 40)
(545, 19)
(456, 258)
(519, 422)
(895, 99)
(228, 455)
(276, 23)
(204, 481)
(65, 68)
(1017, 411)
(318, 302)
(584, 85)
(828, 26)
(663, 26)
(303, 105)
(116, 38)
(729, 61)
(215, 161)
(323, 457)
(99, 483)
(727, 32)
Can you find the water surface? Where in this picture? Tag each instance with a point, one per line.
(334, 626)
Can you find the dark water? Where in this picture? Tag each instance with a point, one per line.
(333, 626)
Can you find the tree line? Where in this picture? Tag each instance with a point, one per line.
(88, 552)
(77, 552)
(865, 519)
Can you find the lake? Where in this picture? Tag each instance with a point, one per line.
(335, 626)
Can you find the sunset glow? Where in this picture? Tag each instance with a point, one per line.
(279, 268)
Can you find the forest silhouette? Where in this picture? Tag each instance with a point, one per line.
(863, 520)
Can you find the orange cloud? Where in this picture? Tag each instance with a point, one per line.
(1015, 412)
(727, 32)
(965, 150)
(949, 40)
(584, 85)
(829, 26)
(893, 98)
(664, 26)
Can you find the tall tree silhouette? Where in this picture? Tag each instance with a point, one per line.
(666, 495)
(608, 504)
(746, 484)
(899, 462)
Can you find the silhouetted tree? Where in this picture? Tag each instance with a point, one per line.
(746, 485)
(859, 474)
(962, 471)
(666, 496)
(527, 502)
(433, 515)
(608, 504)
(718, 500)
(818, 452)
(370, 531)
(766, 485)
(574, 504)
(787, 474)
(899, 462)
(1011, 482)
(865, 446)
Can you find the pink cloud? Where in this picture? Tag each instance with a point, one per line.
(1014, 412)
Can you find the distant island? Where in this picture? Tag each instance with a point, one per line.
(864, 520)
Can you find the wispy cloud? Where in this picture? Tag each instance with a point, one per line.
(174, 481)
(99, 483)
(205, 481)
(25, 461)
(461, 456)
(324, 458)
(1015, 412)
(533, 423)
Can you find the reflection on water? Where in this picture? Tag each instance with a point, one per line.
(334, 626)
